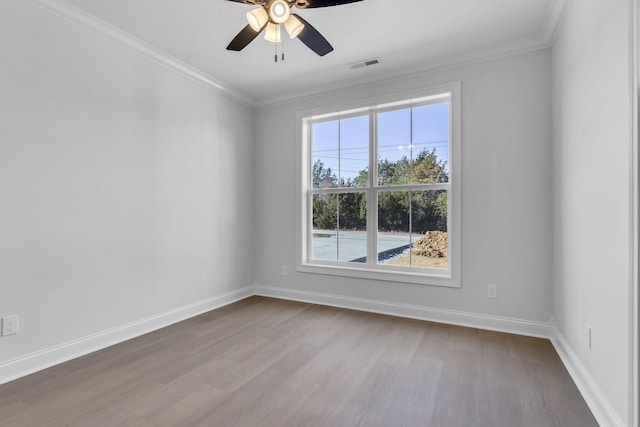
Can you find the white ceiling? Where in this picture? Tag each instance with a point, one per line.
(408, 36)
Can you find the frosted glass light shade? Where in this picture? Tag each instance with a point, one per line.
(293, 26)
(279, 11)
(273, 33)
(257, 18)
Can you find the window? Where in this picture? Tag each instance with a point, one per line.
(379, 191)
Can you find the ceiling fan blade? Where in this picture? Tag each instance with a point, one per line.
(258, 2)
(313, 39)
(243, 38)
(322, 3)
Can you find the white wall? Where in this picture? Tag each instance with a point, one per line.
(506, 192)
(592, 185)
(125, 188)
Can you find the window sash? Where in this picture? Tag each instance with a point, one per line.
(373, 225)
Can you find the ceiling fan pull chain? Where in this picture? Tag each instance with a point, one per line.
(282, 41)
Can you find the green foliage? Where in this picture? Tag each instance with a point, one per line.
(393, 211)
(428, 208)
(390, 173)
(353, 211)
(325, 211)
(323, 177)
(425, 168)
(362, 180)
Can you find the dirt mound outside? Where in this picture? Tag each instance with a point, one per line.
(433, 245)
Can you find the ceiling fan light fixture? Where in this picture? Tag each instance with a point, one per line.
(279, 11)
(293, 26)
(273, 33)
(257, 18)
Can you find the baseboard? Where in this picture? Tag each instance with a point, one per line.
(596, 400)
(25, 365)
(602, 410)
(473, 320)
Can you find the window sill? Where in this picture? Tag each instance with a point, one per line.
(413, 277)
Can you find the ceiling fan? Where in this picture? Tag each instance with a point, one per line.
(271, 13)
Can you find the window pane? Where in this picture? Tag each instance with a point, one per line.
(429, 247)
(394, 147)
(354, 152)
(394, 237)
(339, 227)
(325, 154)
(325, 225)
(340, 153)
(412, 228)
(352, 238)
(430, 134)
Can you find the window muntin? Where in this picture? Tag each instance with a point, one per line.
(386, 173)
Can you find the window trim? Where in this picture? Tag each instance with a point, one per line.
(450, 278)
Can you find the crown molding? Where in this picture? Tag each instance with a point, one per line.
(555, 17)
(60, 8)
(91, 23)
(491, 53)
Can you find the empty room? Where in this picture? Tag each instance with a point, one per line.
(319, 213)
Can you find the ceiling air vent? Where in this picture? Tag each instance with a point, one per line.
(363, 64)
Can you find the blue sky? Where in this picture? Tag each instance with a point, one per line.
(350, 138)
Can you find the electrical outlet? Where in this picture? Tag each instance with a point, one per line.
(285, 270)
(588, 335)
(10, 325)
(492, 291)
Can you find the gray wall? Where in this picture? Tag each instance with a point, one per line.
(128, 190)
(592, 191)
(506, 191)
(125, 188)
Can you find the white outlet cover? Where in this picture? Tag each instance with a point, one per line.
(10, 325)
(492, 291)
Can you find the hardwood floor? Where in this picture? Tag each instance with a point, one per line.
(268, 362)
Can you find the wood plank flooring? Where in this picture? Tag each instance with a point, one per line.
(269, 362)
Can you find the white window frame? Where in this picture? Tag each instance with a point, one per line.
(373, 270)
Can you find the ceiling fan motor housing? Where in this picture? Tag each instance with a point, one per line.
(274, 13)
